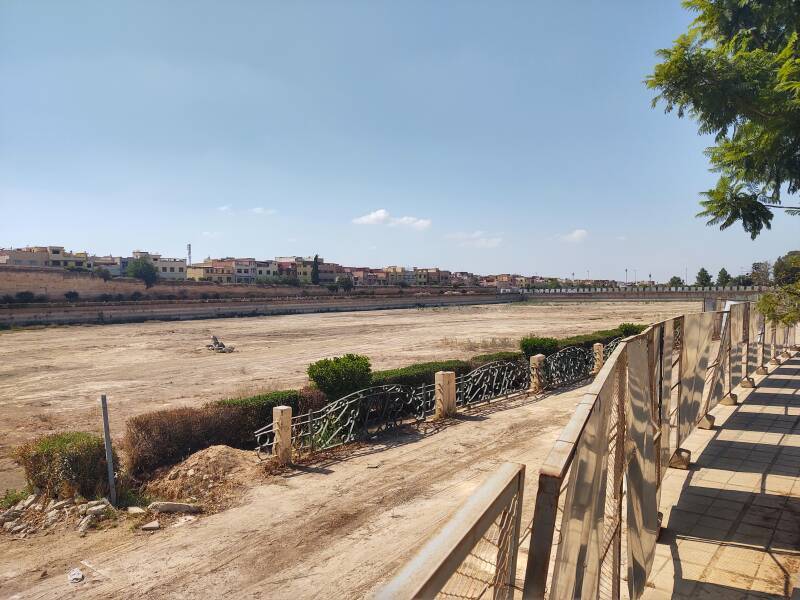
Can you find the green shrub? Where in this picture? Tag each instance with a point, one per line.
(62, 464)
(533, 345)
(11, 497)
(483, 359)
(629, 329)
(341, 375)
(25, 297)
(419, 373)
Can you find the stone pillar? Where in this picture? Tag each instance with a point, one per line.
(445, 394)
(597, 349)
(282, 426)
(537, 376)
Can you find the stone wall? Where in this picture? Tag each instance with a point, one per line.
(54, 283)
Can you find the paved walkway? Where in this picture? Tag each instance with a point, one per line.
(733, 520)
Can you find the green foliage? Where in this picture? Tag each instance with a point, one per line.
(675, 281)
(143, 269)
(136, 296)
(72, 296)
(723, 277)
(760, 272)
(130, 496)
(315, 270)
(419, 373)
(102, 273)
(786, 269)
(279, 280)
(11, 497)
(345, 283)
(629, 329)
(533, 345)
(25, 297)
(703, 278)
(482, 359)
(782, 305)
(62, 464)
(332, 287)
(742, 280)
(341, 375)
(737, 73)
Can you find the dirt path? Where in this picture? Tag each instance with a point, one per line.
(51, 378)
(334, 531)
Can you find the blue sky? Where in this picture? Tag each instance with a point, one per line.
(483, 136)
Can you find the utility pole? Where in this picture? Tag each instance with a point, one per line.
(626, 275)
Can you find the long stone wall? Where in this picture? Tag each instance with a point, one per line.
(54, 283)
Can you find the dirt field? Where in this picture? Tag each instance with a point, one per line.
(336, 529)
(51, 378)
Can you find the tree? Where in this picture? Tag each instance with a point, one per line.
(102, 273)
(736, 71)
(72, 296)
(786, 269)
(760, 273)
(723, 277)
(315, 270)
(742, 280)
(703, 278)
(346, 284)
(141, 268)
(675, 281)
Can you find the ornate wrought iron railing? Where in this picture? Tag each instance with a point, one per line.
(609, 348)
(492, 380)
(568, 365)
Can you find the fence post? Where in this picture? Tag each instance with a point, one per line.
(773, 352)
(445, 394)
(282, 426)
(537, 377)
(112, 490)
(598, 358)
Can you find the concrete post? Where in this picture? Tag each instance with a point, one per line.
(597, 349)
(773, 352)
(445, 394)
(537, 376)
(282, 426)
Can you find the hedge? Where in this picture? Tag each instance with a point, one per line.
(483, 359)
(63, 464)
(547, 345)
(342, 375)
(166, 437)
(419, 373)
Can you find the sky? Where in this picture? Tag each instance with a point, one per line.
(481, 136)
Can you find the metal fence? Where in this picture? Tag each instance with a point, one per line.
(475, 555)
(596, 520)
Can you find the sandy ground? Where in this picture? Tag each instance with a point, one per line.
(337, 529)
(51, 378)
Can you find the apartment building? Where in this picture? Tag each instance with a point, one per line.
(399, 275)
(172, 269)
(46, 256)
(431, 276)
(266, 268)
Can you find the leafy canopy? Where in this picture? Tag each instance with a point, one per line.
(143, 269)
(736, 71)
(703, 278)
(723, 277)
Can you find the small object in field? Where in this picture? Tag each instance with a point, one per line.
(75, 576)
(151, 526)
(218, 346)
(136, 510)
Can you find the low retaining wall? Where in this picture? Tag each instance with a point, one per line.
(132, 312)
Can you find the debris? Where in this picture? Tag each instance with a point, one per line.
(218, 346)
(151, 526)
(174, 507)
(10, 515)
(84, 524)
(28, 502)
(82, 508)
(94, 503)
(75, 576)
(180, 521)
(190, 473)
(62, 504)
(136, 510)
(9, 525)
(51, 517)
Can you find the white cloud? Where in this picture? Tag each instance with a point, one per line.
(575, 236)
(224, 208)
(260, 210)
(414, 222)
(476, 239)
(382, 217)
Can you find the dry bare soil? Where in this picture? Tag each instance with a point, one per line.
(51, 378)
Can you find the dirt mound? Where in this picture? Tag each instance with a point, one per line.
(214, 477)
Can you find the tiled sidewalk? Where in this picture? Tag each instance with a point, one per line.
(732, 522)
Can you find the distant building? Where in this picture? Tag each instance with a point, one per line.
(266, 268)
(46, 256)
(171, 269)
(399, 275)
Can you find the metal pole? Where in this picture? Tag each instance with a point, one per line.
(112, 491)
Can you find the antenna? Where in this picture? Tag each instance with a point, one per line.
(189, 253)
